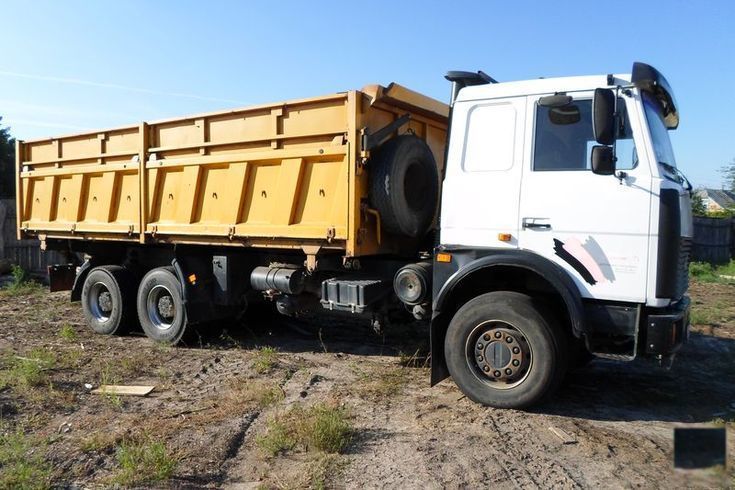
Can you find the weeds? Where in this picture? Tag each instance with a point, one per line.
(145, 461)
(98, 441)
(324, 467)
(262, 394)
(108, 377)
(266, 358)
(22, 461)
(22, 284)
(385, 384)
(279, 437)
(319, 428)
(705, 272)
(25, 372)
(68, 333)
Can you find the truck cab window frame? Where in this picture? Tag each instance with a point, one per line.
(567, 146)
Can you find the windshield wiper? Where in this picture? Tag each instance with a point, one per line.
(682, 179)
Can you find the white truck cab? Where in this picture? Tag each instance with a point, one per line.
(562, 211)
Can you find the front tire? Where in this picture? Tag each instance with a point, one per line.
(161, 306)
(504, 350)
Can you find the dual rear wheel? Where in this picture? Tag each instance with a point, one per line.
(114, 302)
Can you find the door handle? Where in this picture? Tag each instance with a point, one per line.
(527, 223)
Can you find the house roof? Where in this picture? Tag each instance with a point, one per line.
(723, 198)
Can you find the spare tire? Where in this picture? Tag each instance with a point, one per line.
(404, 185)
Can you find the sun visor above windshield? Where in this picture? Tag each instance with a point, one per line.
(650, 80)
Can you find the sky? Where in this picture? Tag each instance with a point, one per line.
(75, 65)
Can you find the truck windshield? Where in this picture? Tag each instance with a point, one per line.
(659, 134)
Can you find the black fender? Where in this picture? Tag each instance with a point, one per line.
(76, 289)
(465, 262)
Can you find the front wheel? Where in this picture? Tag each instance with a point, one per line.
(161, 306)
(504, 350)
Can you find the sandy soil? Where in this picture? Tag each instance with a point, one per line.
(209, 410)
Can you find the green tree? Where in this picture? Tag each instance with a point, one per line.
(728, 175)
(698, 207)
(7, 163)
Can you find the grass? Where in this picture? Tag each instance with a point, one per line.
(109, 377)
(145, 461)
(99, 441)
(279, 437)
(22, 461)
(323, 468)
(705, 272)
(385, 384)
(321, 428)
(68, 333)
(254, 392)
(25, 372)
(266, 358)
(22, 284)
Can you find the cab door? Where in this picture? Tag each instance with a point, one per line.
(594, 226)
(481, 190)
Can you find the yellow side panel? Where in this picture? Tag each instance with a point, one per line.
(126, 203)
(67, 206)
(168, 195)
(323, 195)
(100, 189)
(261, 198)
(40, 198)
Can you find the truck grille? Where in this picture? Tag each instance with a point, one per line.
(682, 267)
(672, 277)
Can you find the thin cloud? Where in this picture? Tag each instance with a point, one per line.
(89, 83)
(44, 124)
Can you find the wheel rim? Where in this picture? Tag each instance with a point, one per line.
(161, 307)
(99, 302)
(498, 354)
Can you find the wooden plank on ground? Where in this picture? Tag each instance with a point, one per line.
(123, 390)
(565, 438)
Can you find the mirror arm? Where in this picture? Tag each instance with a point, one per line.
(621, 175)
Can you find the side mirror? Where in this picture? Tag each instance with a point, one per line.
(603, 116)
(603, 160)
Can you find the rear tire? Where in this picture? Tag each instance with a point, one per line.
(108, 300)
(161, 306)
(504, 350)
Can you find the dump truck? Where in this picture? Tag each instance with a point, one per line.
(533, 224)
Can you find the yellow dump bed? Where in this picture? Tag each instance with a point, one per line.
(285, 175)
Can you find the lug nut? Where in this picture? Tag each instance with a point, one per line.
(516, 362)
(486, 368)
(509, 339)
(498, 335)
(480, 358)
(516, 350)
(480, 346)
(486, 336)
(496, 374)
(508, 371)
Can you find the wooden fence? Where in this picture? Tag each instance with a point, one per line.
(25, 253)
(713, 240)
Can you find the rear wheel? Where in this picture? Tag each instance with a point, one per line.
(108, 300)
(161, 306)
(504, 350)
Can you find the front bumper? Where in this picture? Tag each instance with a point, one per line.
(666, 329)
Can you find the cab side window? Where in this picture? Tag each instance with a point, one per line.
(564, 139)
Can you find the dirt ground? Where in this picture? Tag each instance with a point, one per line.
(215, 400)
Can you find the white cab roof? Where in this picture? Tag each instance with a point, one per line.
(538, 86)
